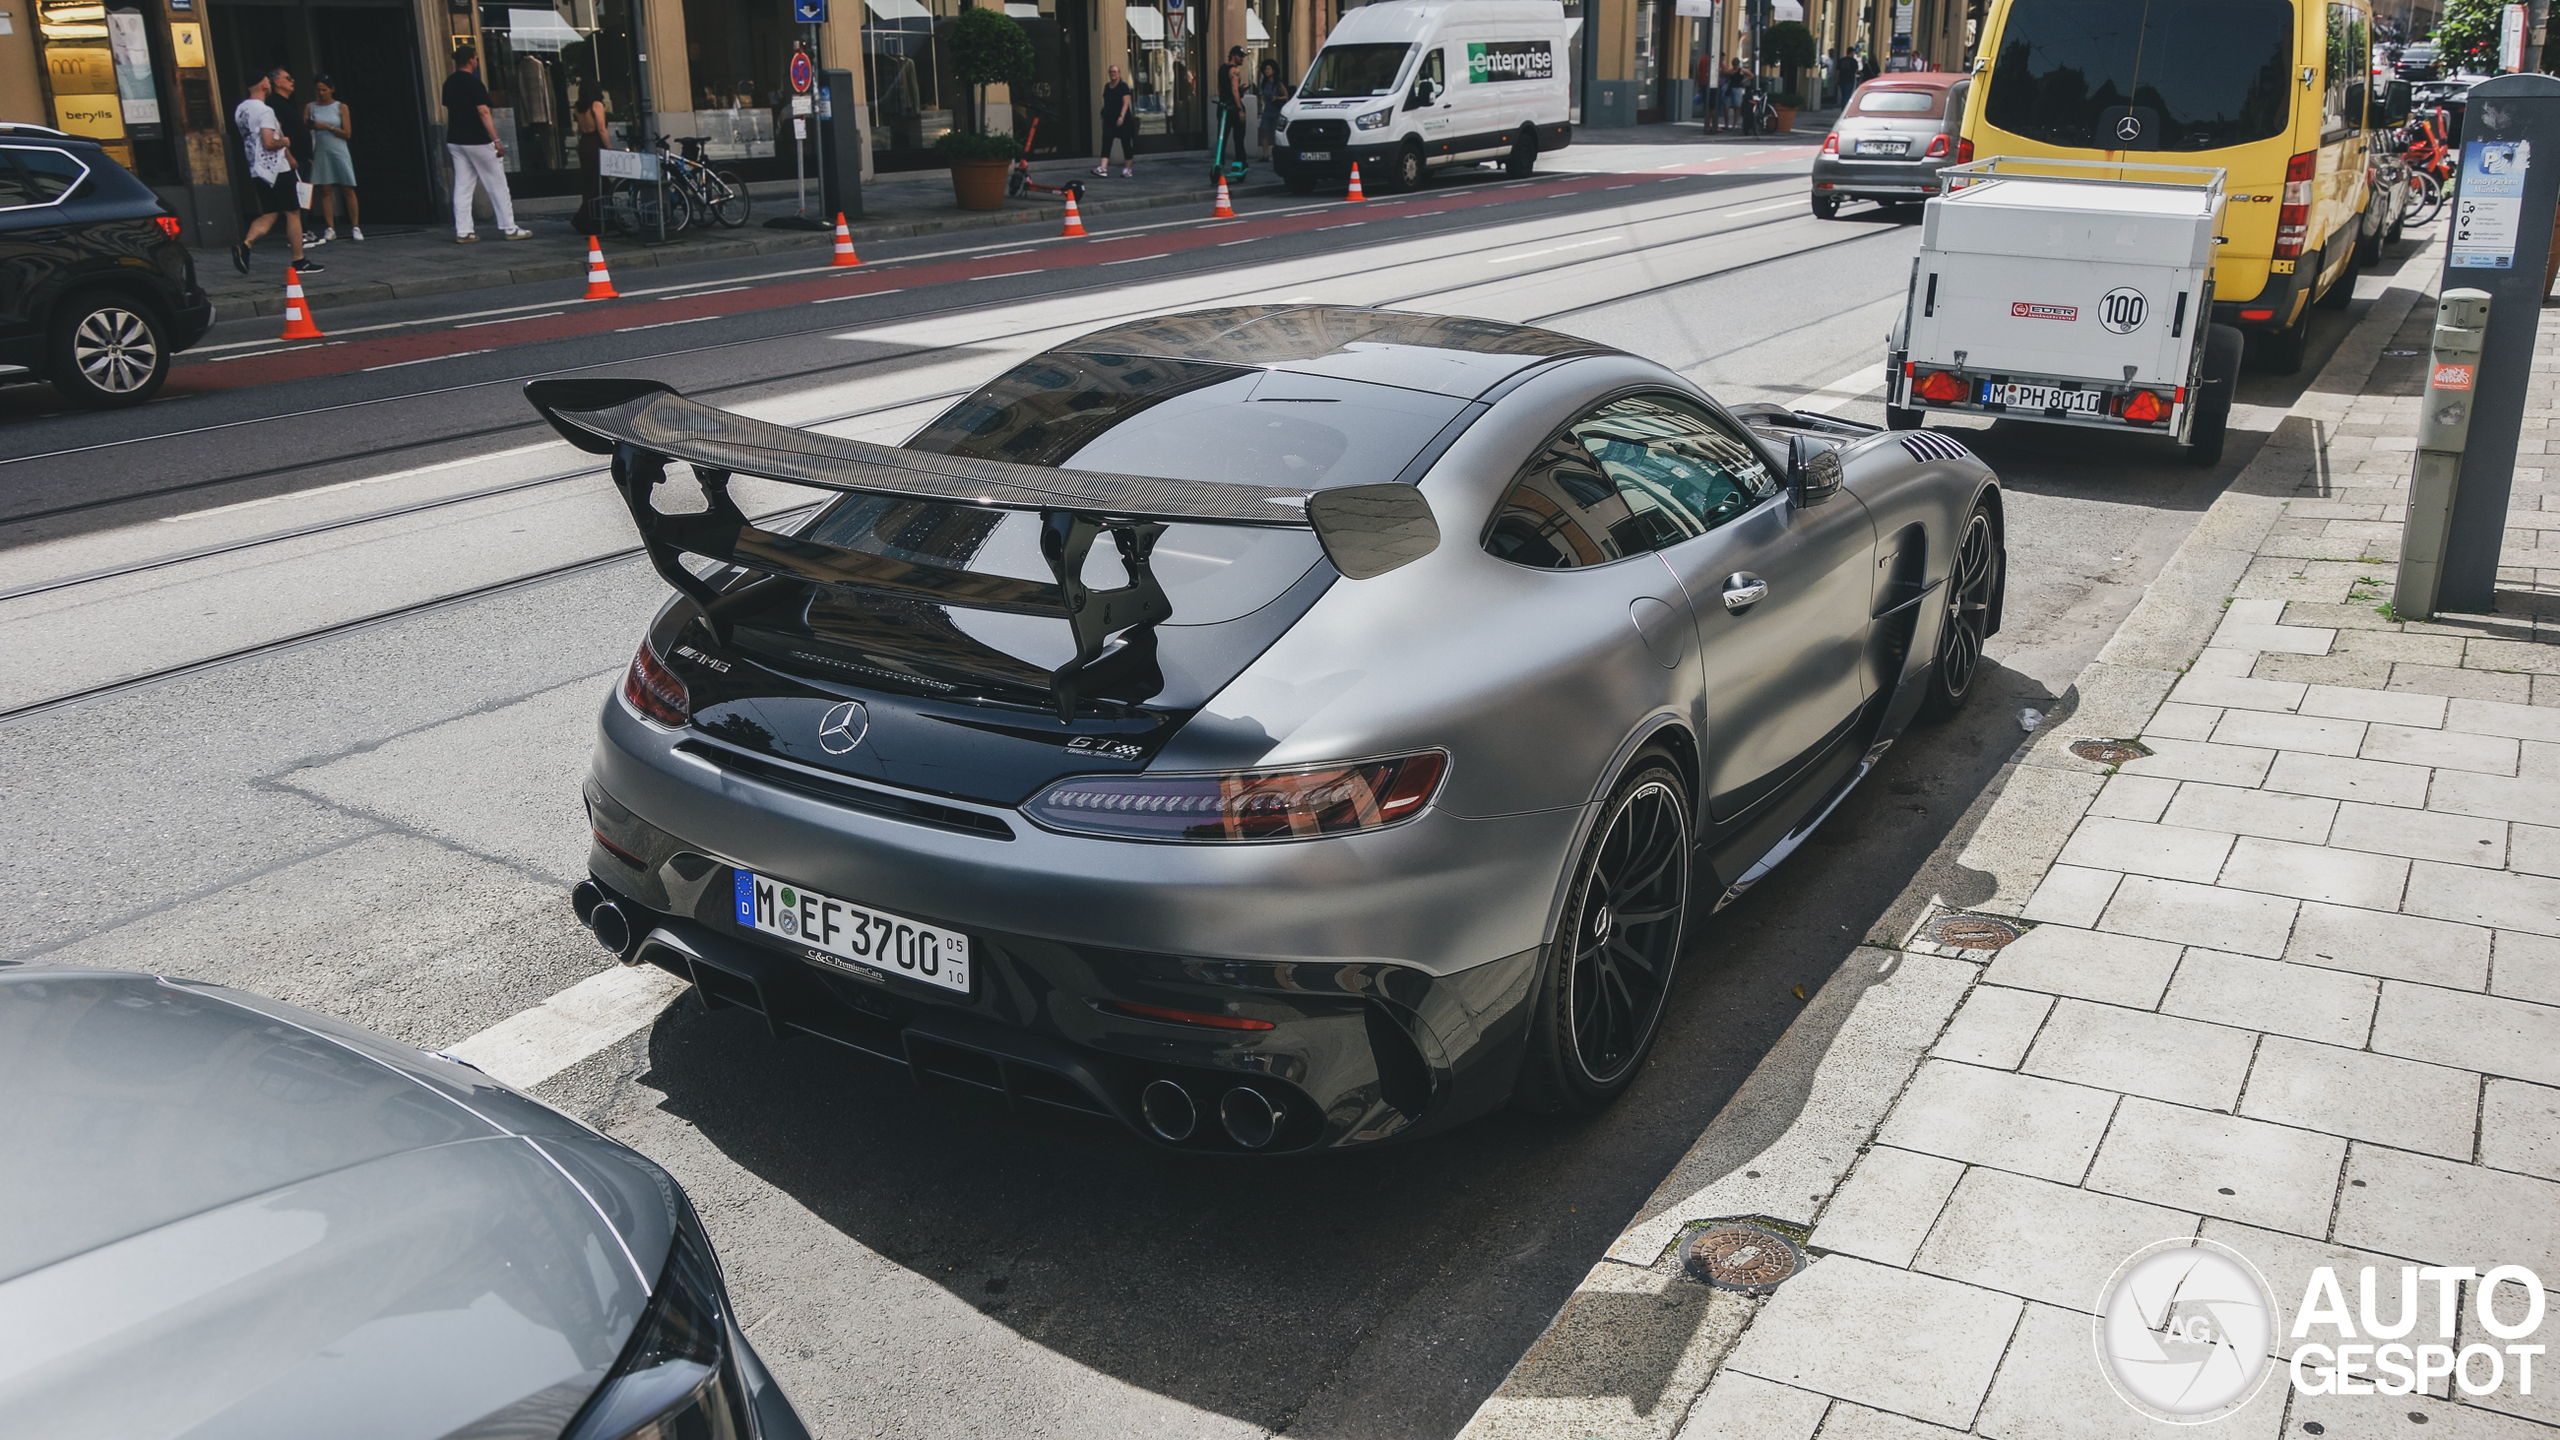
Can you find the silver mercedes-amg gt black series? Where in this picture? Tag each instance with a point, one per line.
(1435, 674)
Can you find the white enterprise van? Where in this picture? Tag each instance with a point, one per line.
(1405, 87)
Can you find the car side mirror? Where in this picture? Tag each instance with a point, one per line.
(1813, 470)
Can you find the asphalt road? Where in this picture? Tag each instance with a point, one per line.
(305, 660)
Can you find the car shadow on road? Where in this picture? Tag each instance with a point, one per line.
(1382, 1293)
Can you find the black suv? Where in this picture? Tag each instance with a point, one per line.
(97, 290)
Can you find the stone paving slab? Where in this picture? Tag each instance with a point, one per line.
(2290, 984)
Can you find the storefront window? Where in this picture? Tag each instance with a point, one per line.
(1165, 52)
(908, 75)
(532, 60)
(738, 52)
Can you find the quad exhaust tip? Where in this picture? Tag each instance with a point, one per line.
(614, 930)
(584, 897)
(1251, 1117)
(1169, 1111)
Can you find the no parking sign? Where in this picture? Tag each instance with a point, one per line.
(802, 76)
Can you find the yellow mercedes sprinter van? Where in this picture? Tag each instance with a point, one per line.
(2273, 91)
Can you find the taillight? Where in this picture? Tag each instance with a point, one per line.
(2146, 408)
(1943, 387)
(1244, 804)
(169, 225)
(2257, 314)
(1831, 143)
(655, 692)
(2293, 218)
(1964, 152)
(1938, 148)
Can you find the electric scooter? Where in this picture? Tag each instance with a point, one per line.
(1018, 181)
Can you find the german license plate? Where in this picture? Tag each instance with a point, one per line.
(862, 938)
(2045, 397)
(1315, 154)
(1884, 147)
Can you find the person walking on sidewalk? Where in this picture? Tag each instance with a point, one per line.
(1119, 122)
(471, 144)
(333, 170)
(593, 140)
(296, 125)
(271, 176)
(1710, 90)
(1231, 110)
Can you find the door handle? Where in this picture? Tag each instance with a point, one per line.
(1742, 590)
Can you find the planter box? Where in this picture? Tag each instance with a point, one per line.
(979, 184)
(1786, 119)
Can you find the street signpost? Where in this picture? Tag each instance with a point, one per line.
(803, 71)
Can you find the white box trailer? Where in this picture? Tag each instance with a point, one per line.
(2070, 293)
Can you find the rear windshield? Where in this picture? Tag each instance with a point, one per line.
(2115, 74)
(1347, 71)
(1179, 419)
(1897, 102)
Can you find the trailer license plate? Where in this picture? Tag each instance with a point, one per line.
(2045, 397)
(841, 931)
(1315, 154)
(1884, 147)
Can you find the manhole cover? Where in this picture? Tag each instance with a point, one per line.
(1741, 1257)
(1972, 932)
(2109, 752)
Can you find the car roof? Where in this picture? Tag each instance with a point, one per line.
(1441, 354)
(1914, 80)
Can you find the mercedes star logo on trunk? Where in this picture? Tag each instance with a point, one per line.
(843, 727)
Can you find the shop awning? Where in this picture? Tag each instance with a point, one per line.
(1785, 10)
(897, 10)
(1145, 22)
(539, 30)
(1254, 34)
(1021, 11)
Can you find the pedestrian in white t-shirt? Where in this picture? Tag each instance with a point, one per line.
(271, 176)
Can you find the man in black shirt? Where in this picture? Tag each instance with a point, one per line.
(295, 126)
(471, 143)
(1231, 109)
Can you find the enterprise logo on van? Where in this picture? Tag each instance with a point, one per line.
(1510, 60)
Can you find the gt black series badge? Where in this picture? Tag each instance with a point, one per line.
(1108, 746)
(843, 727)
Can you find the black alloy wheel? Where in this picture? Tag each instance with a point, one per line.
(1610, 968)
(1973, 587)
(2281, 352)
(108, 352)
(1409, 169)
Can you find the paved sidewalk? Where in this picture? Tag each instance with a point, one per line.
(2289, 983)
(404, 261)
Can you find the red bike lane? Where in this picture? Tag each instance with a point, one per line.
(320, 358)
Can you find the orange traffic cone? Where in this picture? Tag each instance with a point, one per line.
(1075, 223)
(844, 245)
(297, 311)
(1226, 208)
(599, 279)
(1355, 183)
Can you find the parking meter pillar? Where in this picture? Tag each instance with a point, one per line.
(2507, 245)
(839, 145)
(2444, 427)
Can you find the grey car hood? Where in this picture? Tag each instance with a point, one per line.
(220, 1217)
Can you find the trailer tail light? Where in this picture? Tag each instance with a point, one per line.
(2146, 407)
(1964, 152)
(1938, 148)
(1942, 387)
(2293, 218)
(169, 225)
(2257, 314)
(655, 692)
(1831, 143)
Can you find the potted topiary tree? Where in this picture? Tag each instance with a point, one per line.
(1790, 44)
(987, 48)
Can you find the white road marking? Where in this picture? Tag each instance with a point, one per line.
(533, 1045)
(1826, 398)
(839, 299)
(663, 324)
(356, 484)
(1248, 240)
(1007, 275)
(1137, 259)
(423, 360)
(1756, 209)
(1552, 249)
(510, 319)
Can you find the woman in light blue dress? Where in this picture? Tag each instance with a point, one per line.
(333, 170)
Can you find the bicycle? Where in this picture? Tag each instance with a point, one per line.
(631, 207)
(1759, 117)
(711, 194)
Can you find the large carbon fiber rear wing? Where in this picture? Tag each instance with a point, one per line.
(1366, 530)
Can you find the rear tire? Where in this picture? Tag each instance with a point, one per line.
(2280, 352)
(1523, 159)
(1826, 207)
(2222, 347)
(106, 352)
(2342, 292)
(1973, 592)
(1601, 994)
